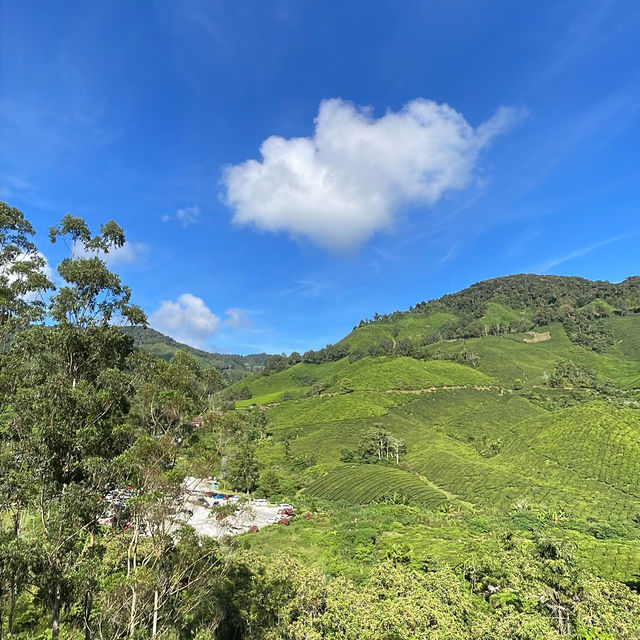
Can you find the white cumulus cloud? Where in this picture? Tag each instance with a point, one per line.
(187, 319)
(356, 172)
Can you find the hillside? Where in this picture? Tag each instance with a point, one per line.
(516, 406)
(235, 367)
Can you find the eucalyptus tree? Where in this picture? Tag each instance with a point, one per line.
(71, 403)
(22, 274)
(23, 284)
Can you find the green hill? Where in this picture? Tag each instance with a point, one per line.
(516, 402)
(234, 366)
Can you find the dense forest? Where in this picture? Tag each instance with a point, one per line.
(233, 367)
(439, 494)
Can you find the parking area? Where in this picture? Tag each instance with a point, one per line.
(235, 514)
(245, 518)
(203, 506)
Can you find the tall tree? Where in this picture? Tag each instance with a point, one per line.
(23, 284)
(22, 274)
(71, 402)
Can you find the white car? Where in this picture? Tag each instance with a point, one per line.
(260, 502)
(284, 505)
(234, 499)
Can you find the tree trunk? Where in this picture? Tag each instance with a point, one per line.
(17, 516)
(132, 563)
(55, 611)
(88, 604)
(132, 614)
(12, 605)
(88, 599)
(155, 613)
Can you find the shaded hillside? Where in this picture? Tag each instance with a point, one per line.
(234, 366)
(516, 400)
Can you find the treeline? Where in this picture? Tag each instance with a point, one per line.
(232, 366)
(532, 292)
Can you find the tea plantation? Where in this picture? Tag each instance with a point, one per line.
(515, 410)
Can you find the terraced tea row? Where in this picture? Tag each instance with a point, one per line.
(363, 484)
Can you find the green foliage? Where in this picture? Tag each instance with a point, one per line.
(22, 277)
(232, 367)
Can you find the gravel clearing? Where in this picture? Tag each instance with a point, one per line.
(204, 521)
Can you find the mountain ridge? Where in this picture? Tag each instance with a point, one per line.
(234, 366)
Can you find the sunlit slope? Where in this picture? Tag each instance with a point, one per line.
(488, 447)
(368, 374)
(525, 358)
(473, 386)
(479, 416)
(408, 327)
(516, 357)
(363, 484)
(583, 459)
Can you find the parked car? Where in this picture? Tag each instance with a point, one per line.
(260, 502)
(220, 496)
(287, 512)
(233, 499)
(285, 505)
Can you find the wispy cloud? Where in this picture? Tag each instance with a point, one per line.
(451, 253)
(543, 267)
(597, 124)
(305, 289)
(518, 244)
(237, 318)
(185, 216)
(585, 35)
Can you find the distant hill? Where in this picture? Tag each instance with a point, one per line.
(234, 367)
(501, 306)
(517, 400)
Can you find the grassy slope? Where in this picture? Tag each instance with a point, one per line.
(349, 540)
(362, 484)
(481, 447)
(506, 358)
(409, 327)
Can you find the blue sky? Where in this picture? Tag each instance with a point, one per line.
(371, 193)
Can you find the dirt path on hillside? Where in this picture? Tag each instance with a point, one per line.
(432, 389)
(437, 487)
